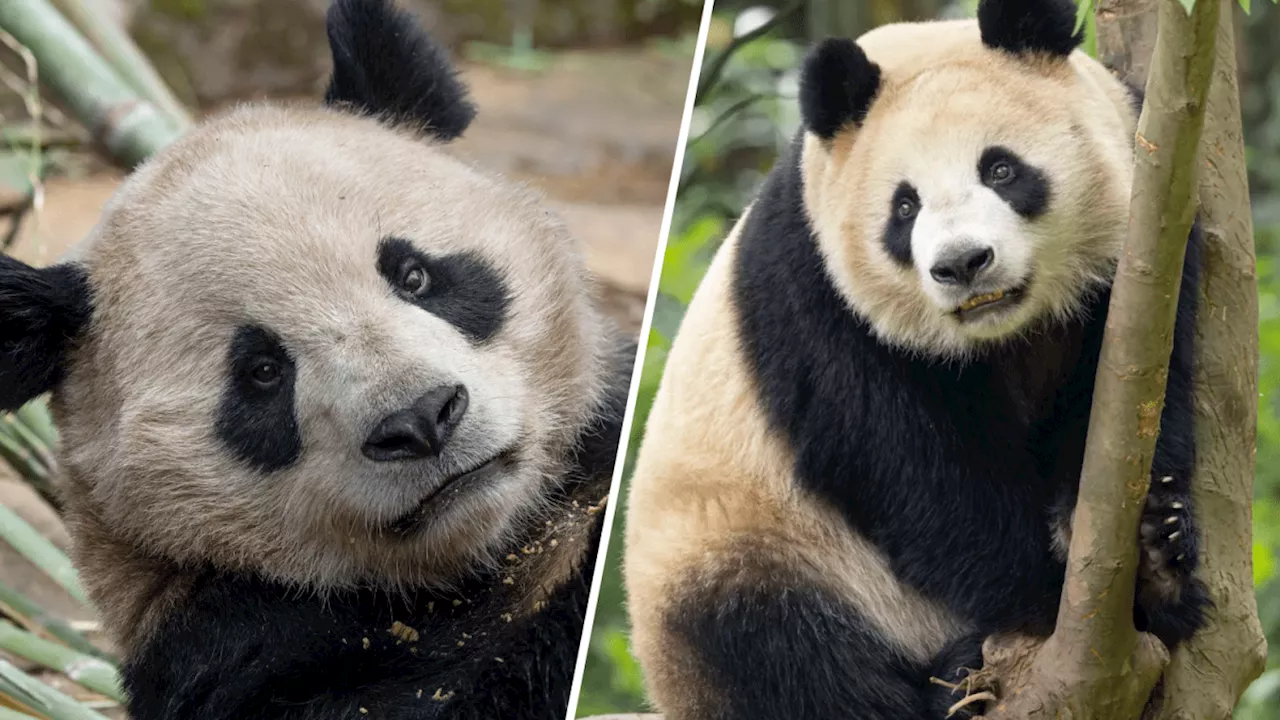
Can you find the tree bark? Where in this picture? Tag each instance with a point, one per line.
(1207, 675)
(1095, 664)
(1126, 37)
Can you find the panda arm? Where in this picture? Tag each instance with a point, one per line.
(235, 651)
(1171, 600)
(244, 648)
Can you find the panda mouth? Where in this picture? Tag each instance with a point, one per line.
(990, 303)
(448, 491)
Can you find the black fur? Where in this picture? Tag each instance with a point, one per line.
(246, 647)
(465, 290)
(1020, 26)
(950, 469)
(1027, 191)
(837, 85)
(259, 424)
(801, 654)
(385, 65)
(41, 313)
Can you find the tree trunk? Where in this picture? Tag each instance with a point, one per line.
(1095, 664)
(1206, 676)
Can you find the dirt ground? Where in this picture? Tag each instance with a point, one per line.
(595, 131)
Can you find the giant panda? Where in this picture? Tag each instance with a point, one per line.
(338, 410)
(864, 453)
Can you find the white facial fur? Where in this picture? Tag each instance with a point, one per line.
(944, 98)
(959, 213)
(273, 218)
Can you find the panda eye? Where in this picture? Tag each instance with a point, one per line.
(906, 209)
(266, 373)
(414, 280)
(1000, 173)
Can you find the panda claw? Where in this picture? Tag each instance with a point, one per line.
(1174, 535)
(1172, 519)
(1177, 506)
(1166, 479)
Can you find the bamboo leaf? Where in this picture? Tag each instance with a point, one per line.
(89, 672)
(1083, 9)
(40, 697)
(43, 554)
(35, 619)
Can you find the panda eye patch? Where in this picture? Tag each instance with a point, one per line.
(1024, 187)
(902, 219)
(256, 420)
(462, 288)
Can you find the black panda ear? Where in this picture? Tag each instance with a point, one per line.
(1019, 26)
(385, 64)
(41, 312)
(837, 84)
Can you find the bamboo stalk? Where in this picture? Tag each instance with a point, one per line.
(34, 618)
(7, 714)
(43, 554)
(89, 672)
(118, 48)
(40, 697)
(127, 126)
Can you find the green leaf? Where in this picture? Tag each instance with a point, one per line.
(1082, 12)
(1188, 5)
(1264, 564)
(1245, 5)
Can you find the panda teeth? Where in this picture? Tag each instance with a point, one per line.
(977, 300)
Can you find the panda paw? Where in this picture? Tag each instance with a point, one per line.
(1168, 540)
(1171, 600)
(949, 680)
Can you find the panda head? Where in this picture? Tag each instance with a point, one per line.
(966, 180)
(311, 343)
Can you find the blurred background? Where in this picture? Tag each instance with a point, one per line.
(745, 114)
(581, 98)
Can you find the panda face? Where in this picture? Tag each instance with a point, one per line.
(980, 194)
(325, 350)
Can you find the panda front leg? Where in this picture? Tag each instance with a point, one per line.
(1171, 600)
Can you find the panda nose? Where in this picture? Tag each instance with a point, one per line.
(421, 430)
(962, 267)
